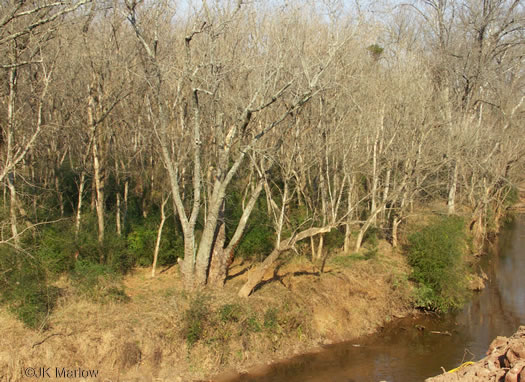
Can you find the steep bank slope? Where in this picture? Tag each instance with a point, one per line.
(165, 334)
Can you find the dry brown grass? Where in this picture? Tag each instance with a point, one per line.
(145, 339)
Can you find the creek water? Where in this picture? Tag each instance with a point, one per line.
(407, 350)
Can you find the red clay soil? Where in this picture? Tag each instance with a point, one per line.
(505, 362)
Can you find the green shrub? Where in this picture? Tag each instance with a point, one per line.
(435, 254)
(258, 237)
(56, 249)
(87, 274)
(116, 254)
(372, 236)
(270, 318)
(99, 282)
(117, 294)
(195, 319)
(376, 50)
(143, 236)
(346, 261)
(25, 288)
(33, 303)
(141, 244)
(371, 253)
(252, 324)
(334, 239)
(257, 241)
(230, 313)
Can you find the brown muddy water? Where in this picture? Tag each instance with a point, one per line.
(407, 350)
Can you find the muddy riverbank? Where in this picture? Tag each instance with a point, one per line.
(416, 348)
(166, 334)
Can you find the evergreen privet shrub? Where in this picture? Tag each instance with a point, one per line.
(372, 236)
(99, 282)
(256, 242)
(334, 239)
(24, 288)
(142, 238)
(141, 244)
(435, 254)
(258, 237)
(56, 248)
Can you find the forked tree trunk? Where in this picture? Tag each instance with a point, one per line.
(223, 257)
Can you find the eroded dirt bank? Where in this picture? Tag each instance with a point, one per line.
(165, 334)
(505, 362)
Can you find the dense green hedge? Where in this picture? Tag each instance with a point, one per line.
(436, 255)
(26, 290)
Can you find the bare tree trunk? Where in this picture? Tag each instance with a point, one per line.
(348, 236)
(10, 142)
(219, 260)
(159, 235)
(125, 213)
(93, 196)
(59, 194)
(395, 226)
(397, 220)
(99, 188)
(374, 177)
(79, 202)
(97, 171)
(373, 215)
(12, 209)
(385, 193)
(319, 254)
(117, 212)
(349, 209)
(117, 215)
(365, 227)
(452, 190)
